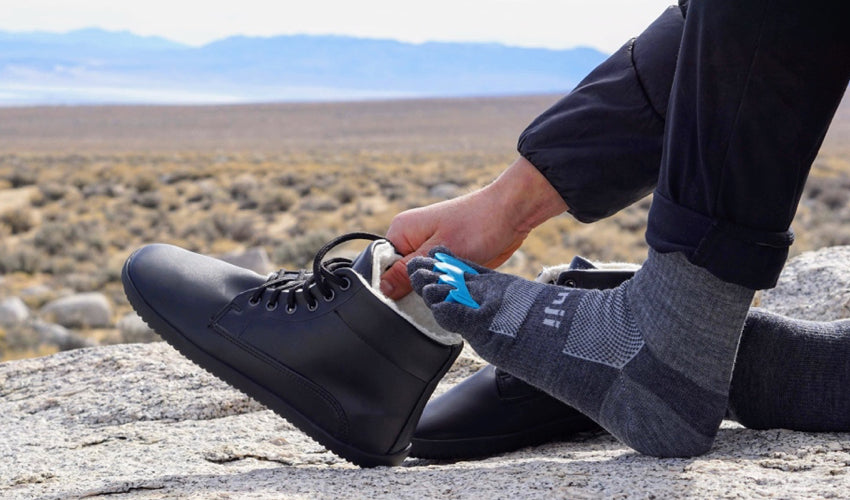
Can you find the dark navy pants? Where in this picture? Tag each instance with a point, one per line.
(756, 85)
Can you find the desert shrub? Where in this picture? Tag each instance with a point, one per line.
(249, 204)
(59, 265)
(171, 202)
(277, 200)
(300, 250)
(148, 199)
(814, 187)
(835, 198)
(393, 190)
(301, 184)
(245, 190)
(22, 341)
(16, 340)
(325, 180)
(83, 179)
(52, 191)
(288, 179)
(91, 281)
(180, 175)
(242, 229)
(631, 219)
(644, 204)
(243, 187)
(90, 245)
(55, 238)
(319, 203)
(832, 233)
(345, 193)
(235, 227)
(144, 183)
(192, 193)
(203, 229)
(22, 176)
(828, 191)
(24, 260)
(36, 200)
(140, 230)
(18, 220)
(105, 189)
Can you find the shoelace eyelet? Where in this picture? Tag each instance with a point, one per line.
(302, 282)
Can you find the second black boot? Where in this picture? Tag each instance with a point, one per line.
(494, 412)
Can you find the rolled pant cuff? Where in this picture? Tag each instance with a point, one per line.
(735, 254)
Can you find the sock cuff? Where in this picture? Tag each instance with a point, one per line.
(670, 293)
(674, 270)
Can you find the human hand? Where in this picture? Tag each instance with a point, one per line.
(485, 226)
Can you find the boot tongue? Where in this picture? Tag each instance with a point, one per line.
(362, 264)
(585, 274)
(580, 262)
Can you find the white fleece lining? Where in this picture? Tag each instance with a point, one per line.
(411, 307)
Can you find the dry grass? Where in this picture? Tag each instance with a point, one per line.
(81, 187)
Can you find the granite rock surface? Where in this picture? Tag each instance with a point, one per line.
(140, 421)
(814, 286)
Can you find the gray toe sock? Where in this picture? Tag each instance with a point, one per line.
(650, 360)
(792, 374)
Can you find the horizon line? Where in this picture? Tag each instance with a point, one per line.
(282, 35)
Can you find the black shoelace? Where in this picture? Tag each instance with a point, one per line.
(311, 287)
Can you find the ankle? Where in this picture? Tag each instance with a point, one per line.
(670, 294)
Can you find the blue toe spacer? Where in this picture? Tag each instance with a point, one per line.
(453, 270)
(451, 259)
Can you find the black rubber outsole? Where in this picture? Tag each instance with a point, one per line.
(485, 446)
(248, 386)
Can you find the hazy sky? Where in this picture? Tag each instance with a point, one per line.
(604, 24)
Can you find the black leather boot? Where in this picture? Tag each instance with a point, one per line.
(494, 412)
(322, 349)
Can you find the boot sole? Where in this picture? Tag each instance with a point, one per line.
(484, 446)
(248, 386)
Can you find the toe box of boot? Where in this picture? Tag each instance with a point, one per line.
(185, 288)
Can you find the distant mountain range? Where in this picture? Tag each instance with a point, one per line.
(93, 66)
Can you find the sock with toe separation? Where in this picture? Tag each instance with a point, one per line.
(650, 360)
(792, 374)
